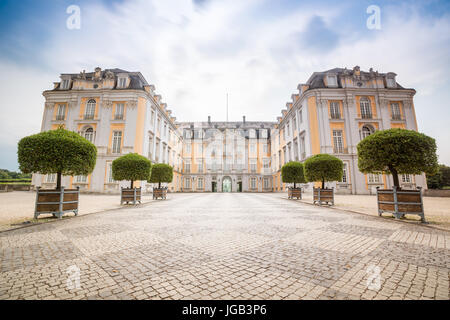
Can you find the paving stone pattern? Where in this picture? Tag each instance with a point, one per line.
(225, 246)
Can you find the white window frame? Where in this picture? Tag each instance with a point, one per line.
(335, 110)
(332, 81)
(89, 134)
(116, 144)
(266, 183)
(119, 112)
(50, 178)
(396, 113)
(406, 178)
(65, 84)
(200, 183)
(365, 108)
(122, 82)
(253, 183)
(109, 175)
(187, 182)
(338, 141)
(345, 173)
(89, 113)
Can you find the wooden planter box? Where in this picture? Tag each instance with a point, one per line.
(159, 193)
(128, 195)
(400, 202)
(295, 193)
(322, 196)
(56, 202)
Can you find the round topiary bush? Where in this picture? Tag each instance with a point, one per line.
(323, 167)
(56, 151)
(397, 151)
(161, 172)
(292, 172)
(131, 166)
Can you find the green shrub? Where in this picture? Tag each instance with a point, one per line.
(56, 151)
(292, 172)
(161, 172)
(323, 167)
(397, 151)
(131, 166)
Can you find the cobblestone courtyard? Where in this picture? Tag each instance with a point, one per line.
(225, 246)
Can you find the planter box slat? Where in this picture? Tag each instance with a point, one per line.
(159, 193)
(294, 193)
(400, 202)
(128, 195)
(322, 196)
(56, 202)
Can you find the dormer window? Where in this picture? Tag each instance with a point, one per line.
(390, 82)
(332, 81)
(122, 82)
(65, 84)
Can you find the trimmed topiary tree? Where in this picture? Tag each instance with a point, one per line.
(131, 166)
(292, 172)
(323, 167)
(397, 151)
(161, 172)
(56, 151)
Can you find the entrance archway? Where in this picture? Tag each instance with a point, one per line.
(226, 184)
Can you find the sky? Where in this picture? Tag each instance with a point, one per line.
(195, 52)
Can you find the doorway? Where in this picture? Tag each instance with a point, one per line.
(214, 186)
(239, 186)
(226, 184)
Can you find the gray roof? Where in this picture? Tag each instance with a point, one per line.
(316, 79)
(137, 80)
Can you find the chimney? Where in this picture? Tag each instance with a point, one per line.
(243, 119)
(209, 119)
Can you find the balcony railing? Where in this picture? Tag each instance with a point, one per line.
(340, 150)
(88, 116)
(60, 117)
(366, 116)
(118, 117)
(397, 117)
(336, 116)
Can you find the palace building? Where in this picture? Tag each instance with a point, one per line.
(120, 112)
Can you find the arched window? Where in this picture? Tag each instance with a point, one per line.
(366, 131)
(89, 134)
(90, 109)
(366, 111)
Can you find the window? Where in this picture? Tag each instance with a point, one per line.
(288, 131)
(119, 111)
(395, 108)
(109, 175)
(253, 183)
(344, 173)
(266, 165)
(188, 134)
(263, 133)
(50, 178)
(89, 134)
(117, 141)
(335, 110)
(152, 120)
(188, 148)
(157, 151)
(284, 133)
(165, 129)
(122, 82)
(332, 81)
(65, 84)
(150, 147)
(253, 165)
(373, 178)
(338, 141)
(366, 111)
(199, 183)
(266, 183)
(61, 113)
(200, 165)
(187, 183)
(302, 147)
(366, 131)
(252, 147)
(265, 148)
(81, 179)
(300, 116)
(90, 109)
(187, 166)
(252, 133)
(406, 178)
(294, 123)
(390, 82)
